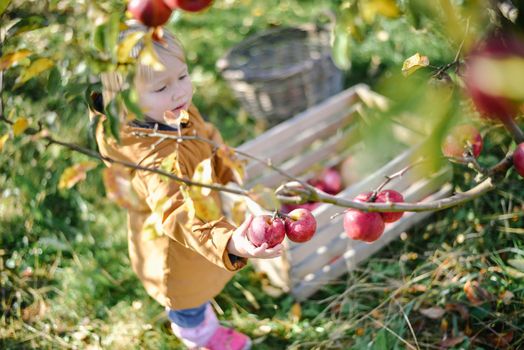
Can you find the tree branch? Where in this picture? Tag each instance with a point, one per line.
(97, 155)
(511, 125)
(285, 195)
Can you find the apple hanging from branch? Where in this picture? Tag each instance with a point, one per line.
(152, 13)
(188, 5)
(300, 225)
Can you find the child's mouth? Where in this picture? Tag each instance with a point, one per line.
(178, 108)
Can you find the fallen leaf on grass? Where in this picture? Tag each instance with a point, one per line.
(434, 313)
(295, 312)
(451, 342)
(34, 311)
(500, 340)
(461, 309)
(506, 297)
(517, 263)
(475, 293)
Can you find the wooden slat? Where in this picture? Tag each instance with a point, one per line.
(299, 165)
(300, 141)
(354, 256)
(302, 121)
(304, 265)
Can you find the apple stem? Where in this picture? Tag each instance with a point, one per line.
(389, 178)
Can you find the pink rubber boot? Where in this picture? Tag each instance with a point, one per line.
(211, 336)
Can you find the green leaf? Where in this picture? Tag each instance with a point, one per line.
(112, 112)
(99, 37)
(36, 67)
(54, 81)
(113, 25)
(91, 136)
(131, 102)
(381, 340)
(342, 49)
(3, 5)
(27, 24)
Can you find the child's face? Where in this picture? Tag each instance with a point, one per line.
(167, 90)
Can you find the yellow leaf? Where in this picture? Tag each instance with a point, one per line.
(414, 63)
(170, 164)
(3, 139)
(126, 45)
(238, 212)
(20, 125)
(227, 154)
(37, 67)
(370, 8)
(203, 207)
(204, 174)
(206, 208)
(188, 203)
(171, 118)
(10, 59)
(74, 174)
(265, 197)
(153, 227)
(117, 182)
(148, 55)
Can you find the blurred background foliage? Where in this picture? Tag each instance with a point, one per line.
(65, 279)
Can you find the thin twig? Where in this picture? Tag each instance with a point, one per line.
(267, 162)
(391, 177)
(456, 60)
(48, 337)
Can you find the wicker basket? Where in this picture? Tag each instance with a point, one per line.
(281, 72)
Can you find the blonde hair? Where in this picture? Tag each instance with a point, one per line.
(115, 82)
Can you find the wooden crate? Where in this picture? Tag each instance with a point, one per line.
(322, 136)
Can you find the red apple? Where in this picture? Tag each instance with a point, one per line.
(332, 181)
(300, 225)
(388, 196)
(518, 159)
(152, 13)
(265, 229)
(363, 226)
(456, 142)
(479, 83)
(188, 5)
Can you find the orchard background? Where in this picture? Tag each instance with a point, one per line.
(455, 281)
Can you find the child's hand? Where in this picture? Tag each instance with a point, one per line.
(240, 245)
